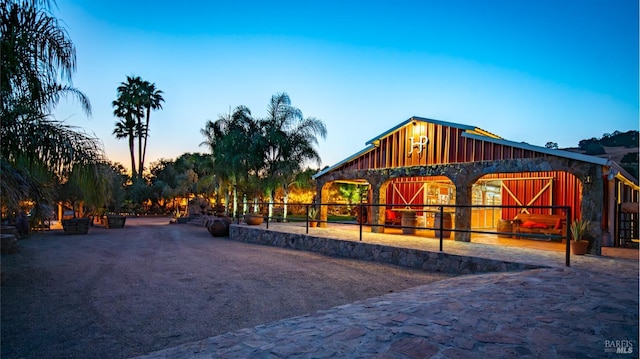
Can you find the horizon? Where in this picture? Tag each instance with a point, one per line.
(529, 71)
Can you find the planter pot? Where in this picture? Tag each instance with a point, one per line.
(114, 221)
(313, 224)
(253, 219)
(218, 228)
(76, 225)
(579, 248)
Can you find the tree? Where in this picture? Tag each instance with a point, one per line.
(126, 127)
(38, 60)
(233, 140)
(594, 149)
(118, 179)
(152, 100)
(261, 156)
(287, 142)
(136, 99)
(551, 145)
(129, 107)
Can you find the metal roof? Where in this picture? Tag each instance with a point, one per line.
(429, 120)
(525, 146)
(480, 134)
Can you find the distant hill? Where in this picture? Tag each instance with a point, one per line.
(620, 147)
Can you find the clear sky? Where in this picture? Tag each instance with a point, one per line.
(526, 70)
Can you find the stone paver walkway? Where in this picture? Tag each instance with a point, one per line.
(588, 310)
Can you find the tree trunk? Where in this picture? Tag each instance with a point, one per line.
(271, 202)
(146, 134)
(285, 200)
(226, 201)
(140, 169)
(235, 201)
(133, 156)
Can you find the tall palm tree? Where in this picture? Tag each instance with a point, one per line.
(129, 105)
(152, 100)
(138, 98)
(125, 108)
(37, 62)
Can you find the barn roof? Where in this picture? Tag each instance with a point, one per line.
(474, 132)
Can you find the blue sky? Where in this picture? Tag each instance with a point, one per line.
(526, 70)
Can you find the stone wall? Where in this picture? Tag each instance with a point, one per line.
(405, 257)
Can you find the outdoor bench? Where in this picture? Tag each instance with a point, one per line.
(534, 226)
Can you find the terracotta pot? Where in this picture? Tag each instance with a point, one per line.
(313, 224)
(218, 228)
(253, 219)
(579, 248)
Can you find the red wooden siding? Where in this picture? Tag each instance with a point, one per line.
(409, 190)
(445, 145)
(565, 187)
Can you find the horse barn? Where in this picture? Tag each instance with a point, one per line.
(484, 182)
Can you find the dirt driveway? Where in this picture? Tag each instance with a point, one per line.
(123, 292)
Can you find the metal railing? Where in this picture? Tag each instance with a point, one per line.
(358, 214)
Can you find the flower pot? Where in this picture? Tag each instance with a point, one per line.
(579, 248)
(313, 223)
(115, 221)
(253, 219)
(218, 228)
(76, 225)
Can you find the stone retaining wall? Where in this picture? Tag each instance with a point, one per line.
(405, 257)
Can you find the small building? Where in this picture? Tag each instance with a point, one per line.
(429, 162)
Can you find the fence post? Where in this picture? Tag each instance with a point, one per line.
(307, 218)
(568, 248)
(441, 226)
(360, 218)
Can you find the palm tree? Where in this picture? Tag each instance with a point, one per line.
(288, 140)
(38, 60)
(152, 100)
(129, 106)
(138, 98)
(233, 140)
(36, 54)
(126, 128)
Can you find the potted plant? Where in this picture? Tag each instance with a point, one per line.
(76, 225)
(253, 219)
(313, 216)
(114, 220)
(578, 229)
(181, 218)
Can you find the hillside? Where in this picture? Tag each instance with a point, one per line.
(620, 147)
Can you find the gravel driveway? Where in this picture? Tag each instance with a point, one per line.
(117, 293)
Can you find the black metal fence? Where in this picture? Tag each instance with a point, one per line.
(443, 224)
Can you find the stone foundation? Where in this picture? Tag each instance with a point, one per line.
(405, 257)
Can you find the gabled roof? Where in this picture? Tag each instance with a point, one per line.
(354, 156)
(467, 128)
(371, 143)
(477, 133)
